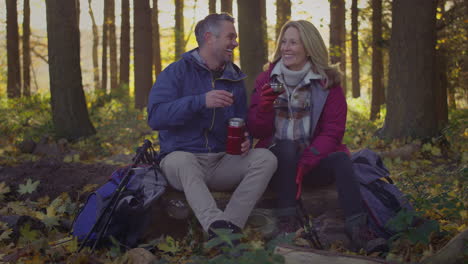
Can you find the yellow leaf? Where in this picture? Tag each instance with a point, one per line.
(89, 187)
(170, 245)
(4, 189)
(43, 201)
(436, 151)
(76, 157)
(6, 234)
(72, 246)
(18, 207)
(51, 211)
(256, 244)
(462, 227)
(68, 158)
(40, 215)
(464, 214)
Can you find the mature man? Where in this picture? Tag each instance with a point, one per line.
(190, 104)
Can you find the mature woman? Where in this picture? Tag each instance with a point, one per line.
(298, 110)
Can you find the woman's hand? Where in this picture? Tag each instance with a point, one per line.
(267, 97)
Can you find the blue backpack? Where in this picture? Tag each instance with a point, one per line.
(382, 199)
(128, 220)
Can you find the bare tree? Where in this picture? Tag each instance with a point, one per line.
(283, 14)
(95, 47)
(212, 6)
(337, 36)
(355, 75)
(411, 95)
(377, 60)
(26, 49)
(105, 35)
(69, 112)
(112, 47)
(156, 41)
(226, 6)
(14, 72)
(125, 48)
(179, 28)
(253, 50)
(142, 51)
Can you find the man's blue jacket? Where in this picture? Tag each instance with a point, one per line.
(177, 109)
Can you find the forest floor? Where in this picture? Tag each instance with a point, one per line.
(47, 178)
(56, 176)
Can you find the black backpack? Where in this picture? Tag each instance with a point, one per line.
(382, 199)
(119, 208)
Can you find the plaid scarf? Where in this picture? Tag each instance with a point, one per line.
(293, 107)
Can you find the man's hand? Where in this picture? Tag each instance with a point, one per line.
(245, 146)
(218, 98)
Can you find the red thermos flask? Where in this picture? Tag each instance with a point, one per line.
(235, 136)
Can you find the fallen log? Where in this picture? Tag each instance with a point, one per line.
(296, 255)
(453, 252)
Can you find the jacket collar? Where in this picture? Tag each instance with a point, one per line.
(231, 71)
(310, 76)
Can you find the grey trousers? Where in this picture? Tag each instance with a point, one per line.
(197, 173)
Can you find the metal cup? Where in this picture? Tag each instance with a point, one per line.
(277, 87)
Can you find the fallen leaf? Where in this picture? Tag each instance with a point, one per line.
(29, 187)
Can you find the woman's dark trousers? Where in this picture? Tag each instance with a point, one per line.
(336, 167)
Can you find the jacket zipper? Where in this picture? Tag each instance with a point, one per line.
(214, 112)
(212, 120)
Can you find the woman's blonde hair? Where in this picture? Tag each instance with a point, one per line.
(315, 49)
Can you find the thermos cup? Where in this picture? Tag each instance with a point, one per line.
(235, 136)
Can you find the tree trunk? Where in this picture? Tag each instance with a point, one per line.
(283, 14)
(26, 49)
(226, 6)
(156, 41)
(337, 36)
(14, 68)
(441, 66)
(441, 84)
(142, 51)
(253, 55)
(179, 28)
(69, 112)
(78, 10)
(95, 48)
(112, 47)
(124, 75)
(105, 35)
(212, 6)
(411, 95)
(355, 50)
(377, 60)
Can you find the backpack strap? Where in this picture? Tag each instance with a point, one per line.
(386, 197)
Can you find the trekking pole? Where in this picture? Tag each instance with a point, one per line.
(310, 232)
(115, 197)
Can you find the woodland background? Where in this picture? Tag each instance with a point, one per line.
(75, 76)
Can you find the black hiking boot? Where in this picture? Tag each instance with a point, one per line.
(363, 237)
(222, 224)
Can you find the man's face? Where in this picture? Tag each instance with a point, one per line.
(224, 44)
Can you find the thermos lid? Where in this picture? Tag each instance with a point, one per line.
(236, 122)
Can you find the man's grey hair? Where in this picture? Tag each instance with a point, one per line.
(210, 23)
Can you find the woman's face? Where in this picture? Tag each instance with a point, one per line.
(292, 50)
